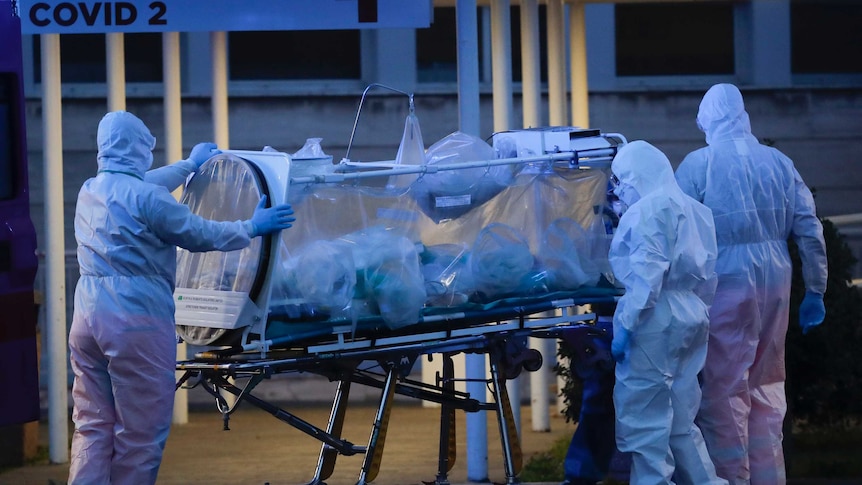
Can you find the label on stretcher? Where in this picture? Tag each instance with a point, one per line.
(213, 308)
(452, 201)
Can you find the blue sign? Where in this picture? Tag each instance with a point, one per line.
(93, 17)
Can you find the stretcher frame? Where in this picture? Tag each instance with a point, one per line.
(500, 331)
(502, 338)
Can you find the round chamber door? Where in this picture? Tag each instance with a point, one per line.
(225, 188)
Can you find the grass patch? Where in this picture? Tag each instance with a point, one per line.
(819, 453)
(810, 453)
(546, 466)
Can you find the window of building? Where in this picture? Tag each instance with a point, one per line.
(8, 134)
(665, 39)
(83, 58)
(437, 48)
(825, 37)
(294, 55)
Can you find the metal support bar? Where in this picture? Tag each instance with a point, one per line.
(504, 417)
(447, 449)
(328, 454)
(343, 446)
(374, 449)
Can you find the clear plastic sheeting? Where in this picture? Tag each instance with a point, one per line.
(411, 151)
(449, 194)
(509, 245)
(226, 188)
(361, 250)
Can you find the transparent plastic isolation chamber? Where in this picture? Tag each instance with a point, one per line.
(378, 247)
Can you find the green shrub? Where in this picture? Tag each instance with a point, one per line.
(546, 466)
(824, 376)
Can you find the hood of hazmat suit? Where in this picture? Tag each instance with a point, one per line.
(122, 341)
(758, 200)
(664, 253)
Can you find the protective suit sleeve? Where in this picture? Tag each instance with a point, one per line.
(807, 231)
(643, 272)
(175, 224)
(171, 176)
(691, 175)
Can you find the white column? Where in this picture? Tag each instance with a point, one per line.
(539, 386)
(501, 77)
(173, 152)
(578, 64)
(501, 64)
(116, 71)
(219, 95)
(384, 53)
(468, 122)
(55, 249)
(468, 67)
(531, 91)
(765, 60)
(557, 105)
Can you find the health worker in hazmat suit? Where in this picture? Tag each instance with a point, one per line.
(122, 340)
(663, 252)
(758, 200)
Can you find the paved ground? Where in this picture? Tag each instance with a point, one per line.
(260, 449)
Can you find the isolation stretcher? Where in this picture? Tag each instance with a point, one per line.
(475, 250)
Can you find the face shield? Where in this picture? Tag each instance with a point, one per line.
(617, 206)
(626, 193)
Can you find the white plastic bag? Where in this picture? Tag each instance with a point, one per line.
(501, 261)
(322, 274)
(411, 151)
(566, 256)
(392, 281)
(448, 194)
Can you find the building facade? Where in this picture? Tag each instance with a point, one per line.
(797, 63)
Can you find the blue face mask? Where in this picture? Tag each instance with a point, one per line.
(626, 193)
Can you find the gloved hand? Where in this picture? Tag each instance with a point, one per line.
(812, 311)
(620, 344)
(266, 221)
(202, 152)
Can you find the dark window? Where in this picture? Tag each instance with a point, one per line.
(825, 37)
(143, 58)
(83, 58)
(437, 48)
(304, 54)
(8, 134)
(665, 39)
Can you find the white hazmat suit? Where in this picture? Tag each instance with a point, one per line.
(122, 340)
(758, 200)
(663, 252)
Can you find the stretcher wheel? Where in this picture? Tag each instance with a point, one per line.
(511, 372)
(533, 360)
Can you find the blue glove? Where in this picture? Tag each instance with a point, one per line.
(202, 152)
(812, 311)
(266, 221)
(620, 344)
